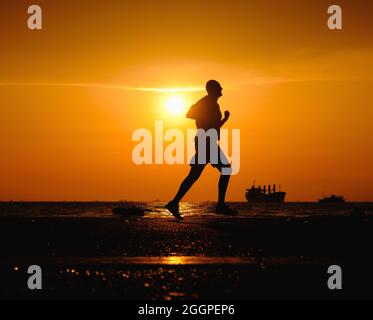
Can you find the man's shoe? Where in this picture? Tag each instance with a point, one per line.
(225, 210)
(174, 209)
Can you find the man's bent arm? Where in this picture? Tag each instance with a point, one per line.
(226, 117)
(222, 122)
(191, 114)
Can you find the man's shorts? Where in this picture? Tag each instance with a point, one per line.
(218, 159)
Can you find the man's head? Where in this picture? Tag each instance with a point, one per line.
(214, 89)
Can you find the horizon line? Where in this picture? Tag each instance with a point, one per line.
(160, 200)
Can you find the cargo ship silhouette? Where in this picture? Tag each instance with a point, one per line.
(259, 194)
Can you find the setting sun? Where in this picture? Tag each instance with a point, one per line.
(175, 105)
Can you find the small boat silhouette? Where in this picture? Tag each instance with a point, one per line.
(333, 199)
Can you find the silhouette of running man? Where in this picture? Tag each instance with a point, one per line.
(206, 112)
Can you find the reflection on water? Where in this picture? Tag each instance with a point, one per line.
(188, 209)
(173, 260)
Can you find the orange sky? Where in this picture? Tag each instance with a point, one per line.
(70, 100)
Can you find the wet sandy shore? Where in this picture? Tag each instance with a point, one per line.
(199, 258)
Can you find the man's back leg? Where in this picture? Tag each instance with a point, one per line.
(194, 174)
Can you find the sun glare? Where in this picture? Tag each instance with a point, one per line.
(175, 105)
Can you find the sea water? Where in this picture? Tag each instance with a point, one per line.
(155, 209)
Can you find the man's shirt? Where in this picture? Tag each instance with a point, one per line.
(206, 112)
